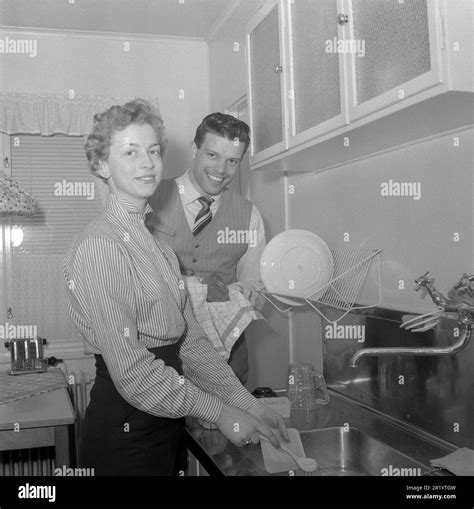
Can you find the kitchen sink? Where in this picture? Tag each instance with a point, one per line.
(344, 437)
(342, 451)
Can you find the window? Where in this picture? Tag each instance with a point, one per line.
(54, 170)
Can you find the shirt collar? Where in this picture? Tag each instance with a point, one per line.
(125, 210)
(191, 194)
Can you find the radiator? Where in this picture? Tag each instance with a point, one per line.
(29, 462)
(40, 460)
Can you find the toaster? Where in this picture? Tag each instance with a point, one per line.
(26, 355)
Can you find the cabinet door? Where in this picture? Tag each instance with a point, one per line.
(266, 70)
(394, 51)
(317, 89)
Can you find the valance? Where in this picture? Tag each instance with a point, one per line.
(48, 114)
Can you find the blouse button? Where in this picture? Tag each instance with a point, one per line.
(194, 260)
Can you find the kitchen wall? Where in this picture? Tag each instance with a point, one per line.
(228, 76)
(175, 70)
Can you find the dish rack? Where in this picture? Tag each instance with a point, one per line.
(351, 268)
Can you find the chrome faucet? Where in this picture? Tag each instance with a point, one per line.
(460, 301)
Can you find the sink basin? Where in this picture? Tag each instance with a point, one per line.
(372, 446)
(355, 453)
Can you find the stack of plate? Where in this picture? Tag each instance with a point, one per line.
(296, 265)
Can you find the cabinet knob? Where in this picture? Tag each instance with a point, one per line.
(342, 18)
(278, 68)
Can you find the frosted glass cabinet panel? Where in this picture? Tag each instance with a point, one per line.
(395, 50)
(397, 45)
(266, 69)
(316, 75)
(317, 66)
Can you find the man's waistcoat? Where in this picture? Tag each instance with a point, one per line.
(215, 249)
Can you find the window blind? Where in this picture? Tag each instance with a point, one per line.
(54, 170)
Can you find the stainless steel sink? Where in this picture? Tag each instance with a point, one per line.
(352, 452)
(373, 445)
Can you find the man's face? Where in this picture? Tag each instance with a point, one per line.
(215, 163)
(134, 165)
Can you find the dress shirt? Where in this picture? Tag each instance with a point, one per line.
(248, 266)
(126, 295)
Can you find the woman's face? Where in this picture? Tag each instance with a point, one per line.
(134, 165)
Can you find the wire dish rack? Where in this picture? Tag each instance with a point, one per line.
(351, 268)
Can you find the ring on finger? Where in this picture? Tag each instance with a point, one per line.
(247, 442)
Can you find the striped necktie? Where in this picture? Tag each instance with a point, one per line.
(204, 216)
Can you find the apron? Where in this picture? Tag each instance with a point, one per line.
(151, 446)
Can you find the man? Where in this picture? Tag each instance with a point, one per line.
(205, 223)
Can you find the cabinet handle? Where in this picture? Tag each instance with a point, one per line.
(342, 18)
(278, 68)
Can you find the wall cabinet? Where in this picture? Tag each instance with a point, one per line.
(401, 55)
(266, 58)
(317, 97)
(318, 70)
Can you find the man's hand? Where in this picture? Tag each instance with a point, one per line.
(240, 426)
(250, 293)
(269, 416)
(217, 290)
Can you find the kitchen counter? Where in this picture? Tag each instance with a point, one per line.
(220, 457)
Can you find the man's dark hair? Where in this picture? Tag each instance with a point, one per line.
(223, 125)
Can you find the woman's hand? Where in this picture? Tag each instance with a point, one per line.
(269, 416)
(240, 426)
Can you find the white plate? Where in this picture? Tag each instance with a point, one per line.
(296, 263)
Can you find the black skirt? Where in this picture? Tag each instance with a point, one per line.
(119, 439)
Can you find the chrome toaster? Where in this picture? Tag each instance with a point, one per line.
(26, 355)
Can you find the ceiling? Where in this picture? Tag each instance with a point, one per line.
(178, 18)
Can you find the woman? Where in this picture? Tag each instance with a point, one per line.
(154, 364)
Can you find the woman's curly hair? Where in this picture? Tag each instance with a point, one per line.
(118, 118)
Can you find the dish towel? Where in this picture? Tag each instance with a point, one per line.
(223, 322)
(460, 462)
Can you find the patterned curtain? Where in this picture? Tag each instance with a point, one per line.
(54, 114)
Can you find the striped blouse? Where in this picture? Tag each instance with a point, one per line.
(126, 295)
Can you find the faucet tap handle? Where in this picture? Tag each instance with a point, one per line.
(423, 280)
